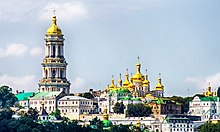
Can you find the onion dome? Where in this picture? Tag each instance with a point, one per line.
(146, 82)
(159, 85)
(138, 125)
(215, 93)
(126, 82)
(112, 86)
(209, 93)
(120, 80)
(54, 29)
(138, 77)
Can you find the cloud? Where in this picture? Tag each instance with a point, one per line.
(202, 82)
(15, 49)
(36, 51)
(65, 11)
(18, 49)
(27, 83)
(78, 85)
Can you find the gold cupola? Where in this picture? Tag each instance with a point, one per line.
(126, 82)
(159, 85)
(120, 80)
(54, 29)
(138, 77)
(146, 82)
(209, 92)
(112, 86)
(131, 86)
(105, 113)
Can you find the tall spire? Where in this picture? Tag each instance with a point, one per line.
(126, 82)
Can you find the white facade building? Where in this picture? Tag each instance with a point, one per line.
(206, 107)
(73, 106)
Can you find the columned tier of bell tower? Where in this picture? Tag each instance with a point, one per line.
(54, 64)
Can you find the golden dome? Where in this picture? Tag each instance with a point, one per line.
(146, 82)
(120, 80)
(159, 85)
(138, 125)
(105, 114)
(209, 93)
(112, 86)
(54, 29)
(126, 82)
(138, 77)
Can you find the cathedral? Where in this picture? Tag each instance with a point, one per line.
(135, 89)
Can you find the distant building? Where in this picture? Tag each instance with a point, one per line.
(23, 98)
(177, 124)
(206, 106)
(164, 106)
(73, 106)
(50, 100)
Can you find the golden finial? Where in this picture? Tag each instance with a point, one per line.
(105, 114)
(138, 125)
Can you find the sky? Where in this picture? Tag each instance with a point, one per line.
(179, 39)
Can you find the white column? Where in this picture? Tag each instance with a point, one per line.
(56, 46)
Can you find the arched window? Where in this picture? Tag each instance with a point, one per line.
(61, 73)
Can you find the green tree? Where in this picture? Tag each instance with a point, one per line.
(7, 98)
(97, 122)
(119, 108)
(6, 114)
(56, 113)
(32, 113)
(138, 110)
(87, 95)
(120, 128)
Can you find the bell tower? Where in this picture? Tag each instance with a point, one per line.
(54, 64)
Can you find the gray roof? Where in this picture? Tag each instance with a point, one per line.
(74, 98)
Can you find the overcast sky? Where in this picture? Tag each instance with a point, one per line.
(179, 39)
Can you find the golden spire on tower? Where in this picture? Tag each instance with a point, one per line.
(105, 114)
(159, 85)
(126, 82)
(146, 81)
(120, 80)
(54, 29)
(138, 77)
(112, 86)
(209, 92)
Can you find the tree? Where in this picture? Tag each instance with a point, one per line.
(120, 128)
(138, 110)
(56, 113)
(32, 113)
(183, 101)
(119, 108)
(87, 95)
(97, 122)
(7, 98)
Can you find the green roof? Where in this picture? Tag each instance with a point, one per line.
(24, 96)
(211, 98)
(164, 101)
(41, 95)
(107, 124)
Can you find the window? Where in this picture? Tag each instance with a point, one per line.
(54, 51)
(53, 73)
